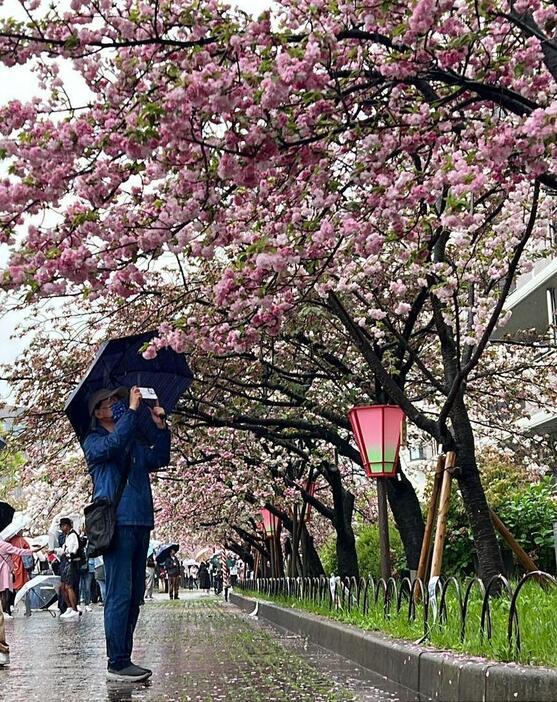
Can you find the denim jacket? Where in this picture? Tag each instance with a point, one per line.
(109, 453)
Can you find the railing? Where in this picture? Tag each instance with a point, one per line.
(360, 594)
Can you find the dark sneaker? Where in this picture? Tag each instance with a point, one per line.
(140, 667)
(131, 673)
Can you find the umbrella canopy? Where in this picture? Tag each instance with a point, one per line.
(6, 514)
(119, 363)
(164, 551)
(41, 540)
(204, 554)
(153, 545)
(43, 589)
(18, 523)
(190, 562)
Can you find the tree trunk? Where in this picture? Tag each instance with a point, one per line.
(314, 565)
(347, 558)
(343, 508)
(407, 514)
(487, 548)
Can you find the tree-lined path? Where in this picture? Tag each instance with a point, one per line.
(199, 649)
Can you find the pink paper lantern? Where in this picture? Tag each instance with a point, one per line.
(271, 523)
(378, 429)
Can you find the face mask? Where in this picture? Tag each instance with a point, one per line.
(118, 409)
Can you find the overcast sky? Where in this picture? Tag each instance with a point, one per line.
(19, 83)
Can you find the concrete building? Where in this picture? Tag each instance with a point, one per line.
(533, 304)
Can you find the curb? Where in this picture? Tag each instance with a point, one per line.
(435, 675)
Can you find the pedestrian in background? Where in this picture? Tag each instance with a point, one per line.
(218, 581)
(193, 576)
(117, 455)
(163, 580)
(86, 580)
(21, 567)
(204, 577)
(100, 577)
(225, 577)
(233, 566)
(149, 577)
(172, 568)
(7, 552)
(71, 555)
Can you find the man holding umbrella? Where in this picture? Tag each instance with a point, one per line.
(116, 450)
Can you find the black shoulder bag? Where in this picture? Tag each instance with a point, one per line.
(100, 519)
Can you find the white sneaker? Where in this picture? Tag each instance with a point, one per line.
(88, 608)
(70, 614)
(4, 659)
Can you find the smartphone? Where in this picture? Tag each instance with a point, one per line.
(148, 394)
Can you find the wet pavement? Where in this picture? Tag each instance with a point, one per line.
(199, 649)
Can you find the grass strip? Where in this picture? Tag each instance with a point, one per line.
(536, 611)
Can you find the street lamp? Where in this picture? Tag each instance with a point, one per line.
(271, 526)
(271, 523)
(378, 429)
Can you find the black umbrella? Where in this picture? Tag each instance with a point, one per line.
(6, 515)
(119, 362)
(164, 551)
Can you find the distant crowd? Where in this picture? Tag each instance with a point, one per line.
(83, 580)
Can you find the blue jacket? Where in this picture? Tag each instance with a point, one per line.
(108, 454)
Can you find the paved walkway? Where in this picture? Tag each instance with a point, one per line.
(199, 648)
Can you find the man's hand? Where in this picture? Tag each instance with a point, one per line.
(158, 415)
(135, 397)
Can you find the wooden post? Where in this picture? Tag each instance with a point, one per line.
(383, 523)
(523, 558)
(271, 557)
(444, 502)
(303, 541)
(279, 558)
(256, 565)
(431, 513)
(295, 542)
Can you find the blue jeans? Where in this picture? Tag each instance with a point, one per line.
(85, 582)
(102, 588)
(125, 582)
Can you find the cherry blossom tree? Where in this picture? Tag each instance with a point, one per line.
(208, 477)
(390, 165)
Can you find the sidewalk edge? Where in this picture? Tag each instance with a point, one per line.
(437, 675)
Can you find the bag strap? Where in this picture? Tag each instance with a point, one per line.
(122, 484)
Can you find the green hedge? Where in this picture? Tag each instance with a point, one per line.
(525, 503)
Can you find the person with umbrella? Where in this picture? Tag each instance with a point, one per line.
(172, 568)
(204, 577)
(114, 449)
